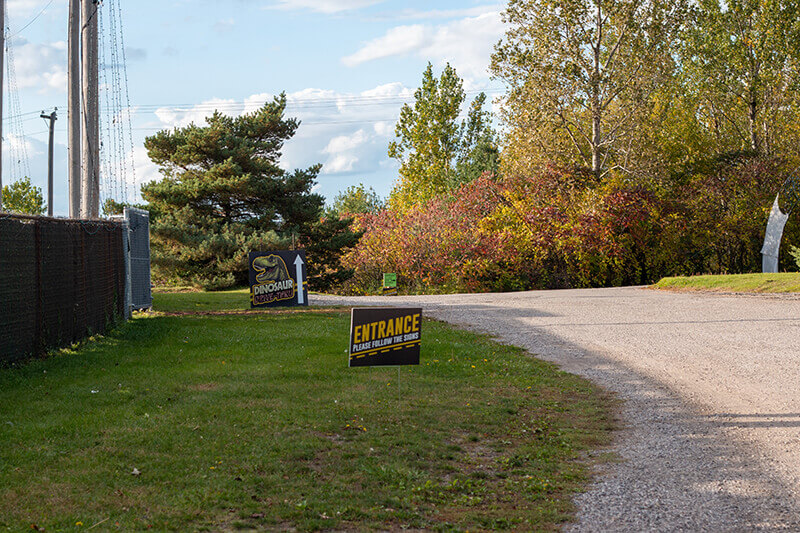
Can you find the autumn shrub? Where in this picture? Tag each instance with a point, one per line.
(546, 231)
(433, 246)
(727, 200)
(570, 232)
(794, 251)
(563, 228)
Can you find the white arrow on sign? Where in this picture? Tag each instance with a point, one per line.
(298, 263)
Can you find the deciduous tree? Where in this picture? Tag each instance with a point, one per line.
(437, 153)
(579, 74)
(355, 200)
(23, 197)
(741, 62)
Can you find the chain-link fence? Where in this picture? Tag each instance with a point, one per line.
(60, 280)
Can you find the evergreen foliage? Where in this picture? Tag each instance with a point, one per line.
(223, 195)
(324, 243)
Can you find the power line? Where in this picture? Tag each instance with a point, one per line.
(125, 86)
(118, 169)
(299, 103)
(303, 103)
(303, 123)
(34, 19)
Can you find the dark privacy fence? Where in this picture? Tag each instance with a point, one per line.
(60, 280)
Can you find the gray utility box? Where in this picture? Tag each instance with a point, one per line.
(137, 259)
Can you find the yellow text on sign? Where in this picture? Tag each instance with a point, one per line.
(386, 328)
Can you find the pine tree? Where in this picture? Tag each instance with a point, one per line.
(223, 195)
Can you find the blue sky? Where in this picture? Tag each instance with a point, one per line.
(346, 65)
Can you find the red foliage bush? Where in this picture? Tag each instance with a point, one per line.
(560, 228)
(437, 244)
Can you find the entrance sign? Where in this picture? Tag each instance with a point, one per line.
(278, 279)
(385, 336)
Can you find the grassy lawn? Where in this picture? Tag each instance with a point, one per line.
(781, 282)
(255, 422)
(190, 301)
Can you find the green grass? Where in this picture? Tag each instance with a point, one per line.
(767, 283)
(255, 422)
(192, 301)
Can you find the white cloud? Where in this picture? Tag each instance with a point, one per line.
(341, 163)
(14, 144)
(466, 44)
(343, 151)
(146, 170)
(432, 14)
(347, 132)
(397, 41)
(40, 65)
(222, 26)
(344, 143)
(383, 128)
(390, 90)
(177, 117)
(252, 103)
(325, 6)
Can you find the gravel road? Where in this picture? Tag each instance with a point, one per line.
(711, 383)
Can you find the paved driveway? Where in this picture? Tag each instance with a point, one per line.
(711, 383)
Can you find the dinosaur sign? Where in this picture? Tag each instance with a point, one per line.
(278, 279)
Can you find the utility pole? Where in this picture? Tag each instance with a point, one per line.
(90, 140)
(52, 118)
(2, 69)
(74, 107)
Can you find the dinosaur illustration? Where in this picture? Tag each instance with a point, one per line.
(270, 268)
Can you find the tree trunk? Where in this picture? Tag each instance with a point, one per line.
(596, 99)
(752, 114)
(596, 163)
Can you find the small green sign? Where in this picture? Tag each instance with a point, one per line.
(390, 281)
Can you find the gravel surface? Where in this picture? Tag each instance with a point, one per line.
(711, 383)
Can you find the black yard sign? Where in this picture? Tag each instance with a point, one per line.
(385, 336)
(278, 279)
